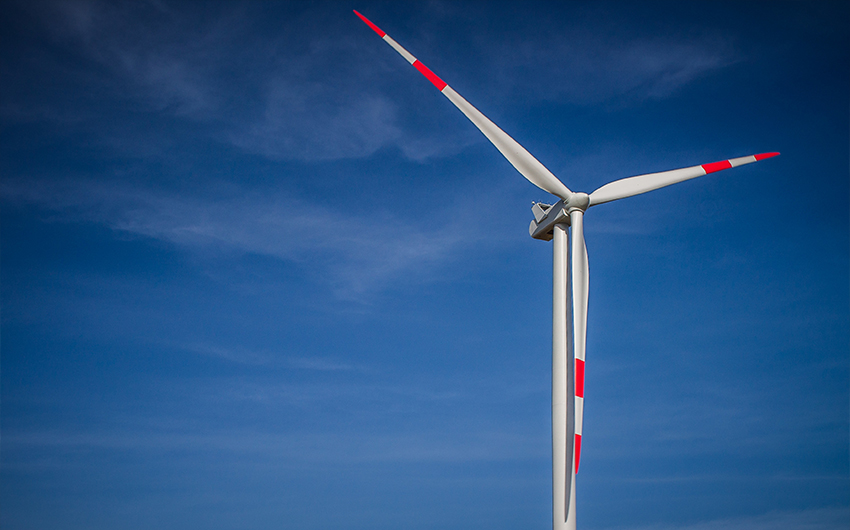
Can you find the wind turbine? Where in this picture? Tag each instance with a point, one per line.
(550, 223)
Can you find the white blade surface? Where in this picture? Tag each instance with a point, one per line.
(528, 166)
(627, 187)
(580, 283)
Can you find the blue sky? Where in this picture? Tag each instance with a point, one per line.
(258, 273)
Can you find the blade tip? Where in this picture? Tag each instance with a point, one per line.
(369, 23)
(763, 156)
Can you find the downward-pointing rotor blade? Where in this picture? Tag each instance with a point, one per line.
(620, 189)
(528, 166)
(580, 283)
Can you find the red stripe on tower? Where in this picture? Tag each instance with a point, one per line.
(368, 22)
(578, 449)
(579, 378)
(716, 166)
(765, 155)
(439, 83)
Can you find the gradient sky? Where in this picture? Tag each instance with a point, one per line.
(258, 273)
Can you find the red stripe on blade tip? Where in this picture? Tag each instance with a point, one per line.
(578, 449)
(368, 22)
(439, 83)
(579, 378)
(716, 166)
(765, 155)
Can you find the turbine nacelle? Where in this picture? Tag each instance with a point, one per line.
(546, 216)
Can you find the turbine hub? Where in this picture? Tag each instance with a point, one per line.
(577, 201)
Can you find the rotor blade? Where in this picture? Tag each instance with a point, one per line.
(620, 189)
(528, 166)
(579, 280)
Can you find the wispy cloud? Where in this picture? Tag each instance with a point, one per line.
(396, 422)
(320, 364)
(247, 356)
(589, 70)
(298, 448)
(162, 61)
(315, 121)
(302, 95)
(294, 95)
(236, 355)
(358, 259)
(590, 54)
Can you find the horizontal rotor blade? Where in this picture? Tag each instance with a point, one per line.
(528, 166)
(627, 187)
(579, 280)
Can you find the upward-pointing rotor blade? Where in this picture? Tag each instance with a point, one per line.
(580, 283)
(620, 189)
(528, 166)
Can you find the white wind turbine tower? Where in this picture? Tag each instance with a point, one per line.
(550, 223)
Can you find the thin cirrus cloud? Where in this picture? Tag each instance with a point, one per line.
(298, 122)
(247, 356)
(307, 448)
(587, 55)
(269, 97)
(293, 98)
(359, 259)
(142, 51)
(586, 71)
